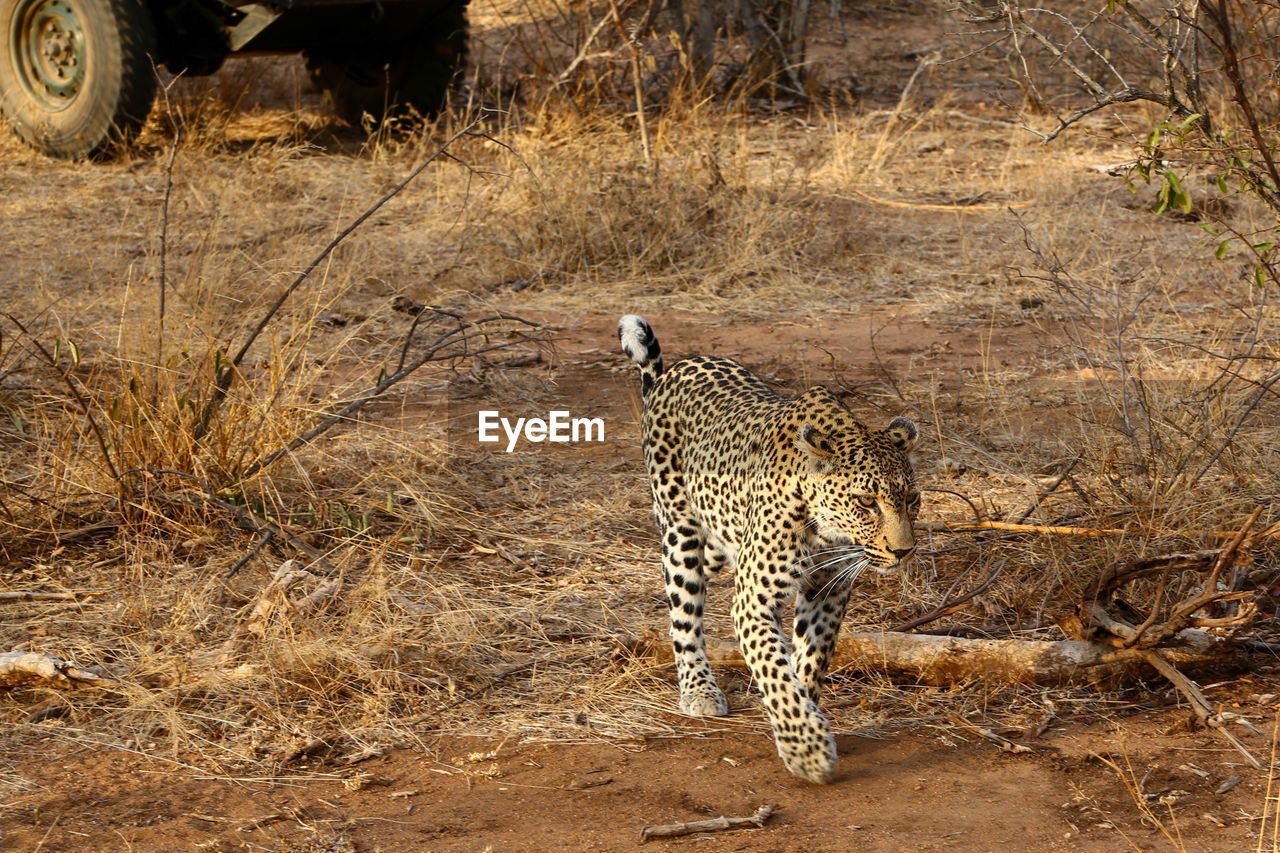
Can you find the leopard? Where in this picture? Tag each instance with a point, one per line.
(792, 494)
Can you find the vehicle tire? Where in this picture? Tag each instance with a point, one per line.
(76, 75)
(394, 78)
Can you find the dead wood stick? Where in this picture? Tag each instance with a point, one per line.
(22, 595)
(961, 208)
(259, 822)
(1228, 553)
(1048, 490)
(273, 595)
(1114, 577)
(1200, 705)
(950, 605)
(719, 824)
(1004, 743)
(1036, 528)
(18, 668)
(322, 594)
(583, 55)
(1183, 613)
(1271, 532)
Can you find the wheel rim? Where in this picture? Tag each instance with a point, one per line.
(46, 42)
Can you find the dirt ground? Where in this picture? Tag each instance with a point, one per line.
(474, 722)
(914, 791)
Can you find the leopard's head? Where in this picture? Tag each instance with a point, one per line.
(859, 488)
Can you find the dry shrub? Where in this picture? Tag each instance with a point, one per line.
(694, 224)
(1148, 418)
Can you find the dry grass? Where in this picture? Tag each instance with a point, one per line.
(482, 595)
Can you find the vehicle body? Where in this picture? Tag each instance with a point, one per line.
(77, 76)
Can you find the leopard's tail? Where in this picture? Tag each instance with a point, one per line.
(641, 345)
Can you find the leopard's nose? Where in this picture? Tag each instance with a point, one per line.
(902, 553)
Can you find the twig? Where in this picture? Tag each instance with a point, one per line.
(76, 394)
(583, 56)
(1199, 704)
(641, 120)
(1182, 613)
(1004, 743)
(718, 824)
(1048, 490)
(962, 208)
(227, 372)
(1099, 625)
(1271, 532)
(267, 536)
(21, 595)
(164, 236)
(950, 605)
(1231, 65)
(877, 156)
(1039, 528)
(164, 211)
(1113, 577)
(433, 352)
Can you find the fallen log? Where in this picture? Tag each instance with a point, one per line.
(19, 668)
(942, 660)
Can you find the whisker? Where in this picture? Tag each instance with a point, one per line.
(851, 561)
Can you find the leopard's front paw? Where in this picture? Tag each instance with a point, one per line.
(809, 751)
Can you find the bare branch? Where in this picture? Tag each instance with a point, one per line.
(227, 373)
(675, 830)
(441, 349)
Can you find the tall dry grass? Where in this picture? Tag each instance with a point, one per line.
(481, 595)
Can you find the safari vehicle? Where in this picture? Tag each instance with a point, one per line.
(77, 76)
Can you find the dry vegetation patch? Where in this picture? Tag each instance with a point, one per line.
(1077, 361)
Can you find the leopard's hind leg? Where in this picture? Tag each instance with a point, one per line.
(686, 589)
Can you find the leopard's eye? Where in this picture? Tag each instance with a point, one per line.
(866, 501)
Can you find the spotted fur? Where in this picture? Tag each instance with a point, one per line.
(793, 493)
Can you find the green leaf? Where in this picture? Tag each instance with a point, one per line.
(1177, 196)
(1222, 183)
(1222, 249)
(57, 349)
(1263, 247)
(1260, 276)
(1188, 121)
(75, 353)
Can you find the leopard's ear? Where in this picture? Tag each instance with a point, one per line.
(904, 434)
(817, 447)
